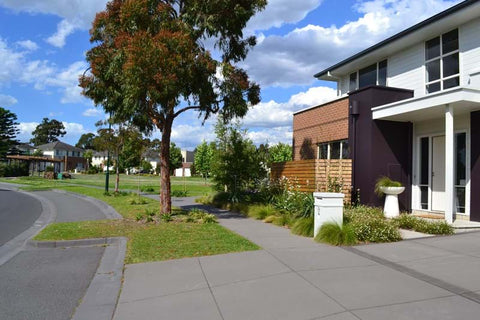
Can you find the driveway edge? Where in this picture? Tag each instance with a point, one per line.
(101, 298)
(15, 245)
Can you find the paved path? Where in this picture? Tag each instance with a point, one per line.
(49, 283)
(18, 211)
(295, 278)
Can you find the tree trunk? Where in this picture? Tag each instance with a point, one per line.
(165, 199)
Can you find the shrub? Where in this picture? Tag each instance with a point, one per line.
(13, 170)
(406, 221)
(304, 227)
(49, 169)
(147, 189)
(370, 225)
(166, 217)
(209, 218)
(336, 235)
(150, 213)
(139, 216)
(137, 201)
(260, 212)
(179, 193)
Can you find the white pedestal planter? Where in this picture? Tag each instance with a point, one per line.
(328, 208)
(391, 209)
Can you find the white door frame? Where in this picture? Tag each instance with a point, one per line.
(416, 203)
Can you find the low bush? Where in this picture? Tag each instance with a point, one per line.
(269, 219)
(147, 189)
(334, 234)
(304, 227)
(166, 217)
(370, 225)
(179, 193)
(138, 201)
(200, 216)
(13, 170)
(406, 221)
(282, 220)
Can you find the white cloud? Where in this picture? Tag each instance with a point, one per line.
(280, 12)
(93, 112)
(26, 129)
(28, 45)
(272, 135)
(189, 136)
(294, 58)
(274, 114)
(64, 29)
(74, 129)
(7, 101)
(11, 63)
(76, 14)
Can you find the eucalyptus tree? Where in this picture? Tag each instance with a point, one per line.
(150, 63)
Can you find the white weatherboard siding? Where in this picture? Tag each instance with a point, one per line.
(406, 69)
(469, 35)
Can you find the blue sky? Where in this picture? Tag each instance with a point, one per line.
(43, 45)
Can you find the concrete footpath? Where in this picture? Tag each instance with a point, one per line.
(295, 278)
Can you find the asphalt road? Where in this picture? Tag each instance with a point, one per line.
(46, 283)
(18, 212)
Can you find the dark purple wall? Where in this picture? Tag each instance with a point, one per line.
(379, 148)
(475, 166)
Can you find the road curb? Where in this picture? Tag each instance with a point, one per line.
(100, 300)
(71, 243)
(15, 245)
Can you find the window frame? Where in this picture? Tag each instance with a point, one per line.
(440, 58)
(357, 75)
(329, 148)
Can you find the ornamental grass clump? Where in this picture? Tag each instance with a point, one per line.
(385, 182)
(304, 227)
(260, 212)
(337, 235)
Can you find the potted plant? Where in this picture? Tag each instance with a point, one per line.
(391, 189)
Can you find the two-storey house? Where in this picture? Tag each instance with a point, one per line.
(408, 108)
(72, 156)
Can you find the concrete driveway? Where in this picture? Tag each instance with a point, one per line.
(296, 278)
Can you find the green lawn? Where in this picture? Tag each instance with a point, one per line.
(154, 242)
(195, 186)
(147, 241)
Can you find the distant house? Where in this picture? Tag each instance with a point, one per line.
(99, 158)
(187, 162)
(72, 156)
(24, 148)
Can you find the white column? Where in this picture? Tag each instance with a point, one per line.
(449, 164)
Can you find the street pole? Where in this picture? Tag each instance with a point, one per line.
(107, 176)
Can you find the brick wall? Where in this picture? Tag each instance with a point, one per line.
(327, 122)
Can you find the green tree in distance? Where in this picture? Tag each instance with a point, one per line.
(47, 131)
(203, 158)
(86, 141)
(8, 131)
(175, 157)
(237, 164)
(280, 152)
(149, 64)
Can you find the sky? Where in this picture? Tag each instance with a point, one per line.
(43, 45)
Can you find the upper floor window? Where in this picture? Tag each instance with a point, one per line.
(442, 62)
(375, 74)
(334, 150)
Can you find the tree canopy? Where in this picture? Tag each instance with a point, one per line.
(150, 64)
(47, 131)
(86, 141)
(8, 131)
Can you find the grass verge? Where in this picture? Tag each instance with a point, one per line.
(154, 242)
(147, 241)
